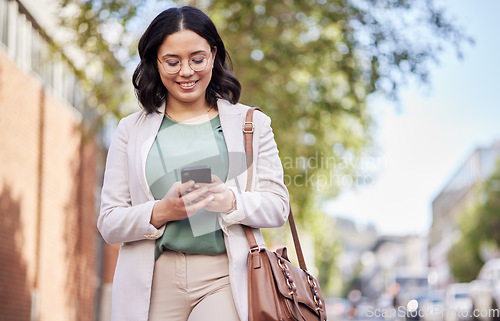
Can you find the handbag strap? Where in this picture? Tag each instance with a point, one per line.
(248, 130)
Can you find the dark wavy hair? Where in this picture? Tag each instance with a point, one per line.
(149, 89)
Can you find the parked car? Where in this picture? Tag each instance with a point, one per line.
(458, 304)
(410, 285)
(485, 292)
(433, 305)
(428, 306)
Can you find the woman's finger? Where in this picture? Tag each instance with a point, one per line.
(195, 207)
(194, 195)
(184, 187)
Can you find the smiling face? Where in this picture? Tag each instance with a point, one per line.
(186, 86)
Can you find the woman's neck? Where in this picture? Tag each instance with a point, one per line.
(180, 112)
(181, 108)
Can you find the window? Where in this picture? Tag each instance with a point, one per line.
(33, 51)
(3, 22)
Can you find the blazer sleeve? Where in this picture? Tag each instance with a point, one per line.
(267, 204)
(119, 221)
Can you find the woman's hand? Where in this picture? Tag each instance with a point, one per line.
(223, 197)
(182, 200)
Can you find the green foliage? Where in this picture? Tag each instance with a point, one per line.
(489, 211)
(327, 249)
(91, 23)
(309, 64)
(480, 232)
(464, 262)
(464, 257)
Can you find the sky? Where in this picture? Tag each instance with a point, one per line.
(425, 141)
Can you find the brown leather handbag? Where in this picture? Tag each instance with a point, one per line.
(277, 289)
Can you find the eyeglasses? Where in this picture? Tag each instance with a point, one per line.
(173, 65)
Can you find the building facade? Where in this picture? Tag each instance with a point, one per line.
(52, 265)
(370, 260)
(460, 192)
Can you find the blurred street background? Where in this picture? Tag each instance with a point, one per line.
(385, 113)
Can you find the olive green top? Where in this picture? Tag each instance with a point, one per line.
(176, 146)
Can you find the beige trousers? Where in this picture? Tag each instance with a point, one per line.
(189, 287)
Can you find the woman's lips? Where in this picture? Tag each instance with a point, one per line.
(187, 85)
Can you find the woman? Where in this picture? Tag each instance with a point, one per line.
(184, 250)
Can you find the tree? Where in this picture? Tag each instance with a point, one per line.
(310, 64)
(480, 232)
(464, 257)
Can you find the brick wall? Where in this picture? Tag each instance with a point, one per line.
(47, 215)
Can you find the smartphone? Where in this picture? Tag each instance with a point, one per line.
(199, 174)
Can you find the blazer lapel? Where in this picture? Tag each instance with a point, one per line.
(231, 120)
(147, 131)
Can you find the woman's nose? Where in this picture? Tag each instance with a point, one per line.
(186, 70)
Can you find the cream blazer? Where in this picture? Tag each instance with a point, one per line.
(127, 203)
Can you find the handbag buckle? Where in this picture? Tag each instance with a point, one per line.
(246, 125)
(256, 248)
